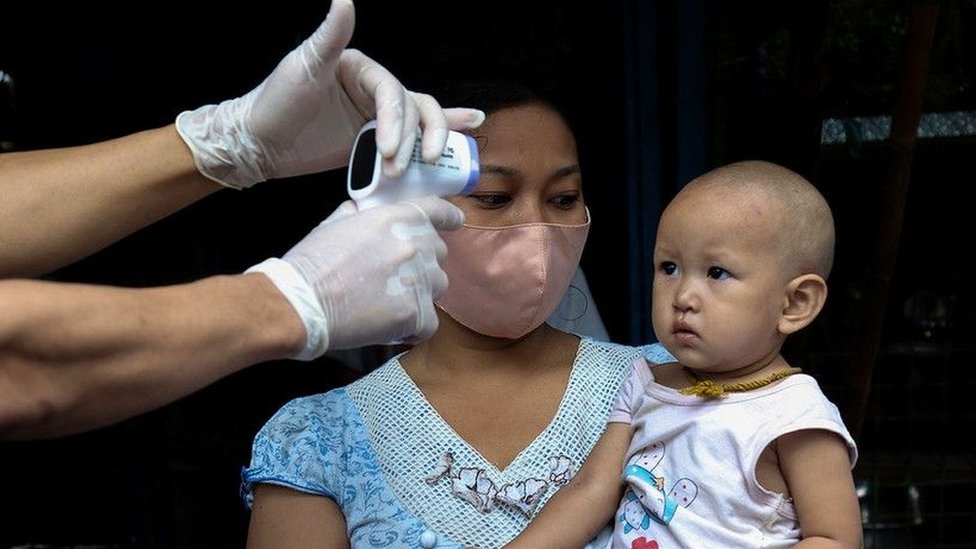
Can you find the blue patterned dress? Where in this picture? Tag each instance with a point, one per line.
(403, 478)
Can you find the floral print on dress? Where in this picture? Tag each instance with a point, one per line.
(523, 495)
(561, 470)
(473, 485)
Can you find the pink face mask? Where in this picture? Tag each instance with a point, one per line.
(506, 281)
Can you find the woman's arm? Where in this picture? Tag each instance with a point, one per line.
(75, 356)
(282, 518)
(817, 469)
(60, 205)
(579, 510)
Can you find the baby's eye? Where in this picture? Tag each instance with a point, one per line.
(718, 273)
(491, 200)
(668, 267)
(566, 201)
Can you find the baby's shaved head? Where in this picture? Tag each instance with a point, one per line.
(806, 230)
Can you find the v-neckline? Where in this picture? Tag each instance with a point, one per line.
(488, 464)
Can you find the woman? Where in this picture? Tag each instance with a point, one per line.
(463, 438)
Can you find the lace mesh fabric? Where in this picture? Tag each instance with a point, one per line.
(466, 498)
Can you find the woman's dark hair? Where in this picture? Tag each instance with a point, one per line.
(492, 94)
(489, 94)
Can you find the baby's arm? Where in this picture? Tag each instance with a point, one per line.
(817, 469)
(579, 510)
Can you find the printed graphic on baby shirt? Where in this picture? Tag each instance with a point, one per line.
(645, 498)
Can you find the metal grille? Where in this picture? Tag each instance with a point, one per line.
(859, 129)
(916, 476)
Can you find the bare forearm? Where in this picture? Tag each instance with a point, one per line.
(75, 357)
(574, 516)
(60, 205)
(579, 510)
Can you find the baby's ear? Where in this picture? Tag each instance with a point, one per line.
(805, 297)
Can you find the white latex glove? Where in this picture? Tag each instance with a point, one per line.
(305, 116)
(368, 277)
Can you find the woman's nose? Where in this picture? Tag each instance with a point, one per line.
(531, 211)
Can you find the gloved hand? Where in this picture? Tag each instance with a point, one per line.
(305, 116)
(367, 277)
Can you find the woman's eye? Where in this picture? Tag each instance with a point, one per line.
(669, 268)
(718, 273)
(566, 201)
(491, 200)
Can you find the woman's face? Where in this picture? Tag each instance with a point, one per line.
(529, 171)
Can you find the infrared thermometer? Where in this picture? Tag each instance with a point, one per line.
(454, 173)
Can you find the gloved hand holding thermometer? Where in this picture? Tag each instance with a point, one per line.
(403, 311)
(366, 277)
(454, 173)
(299, 121)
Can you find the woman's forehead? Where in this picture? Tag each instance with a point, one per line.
(522, 125)
(525, 138)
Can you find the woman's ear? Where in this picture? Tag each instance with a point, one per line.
(805, 297)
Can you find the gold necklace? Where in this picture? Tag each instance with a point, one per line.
(708, 389)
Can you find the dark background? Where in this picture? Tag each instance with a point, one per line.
(658, 92)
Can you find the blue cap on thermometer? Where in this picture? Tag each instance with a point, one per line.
(455, 172)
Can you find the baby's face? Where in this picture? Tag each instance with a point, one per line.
(719, 279)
